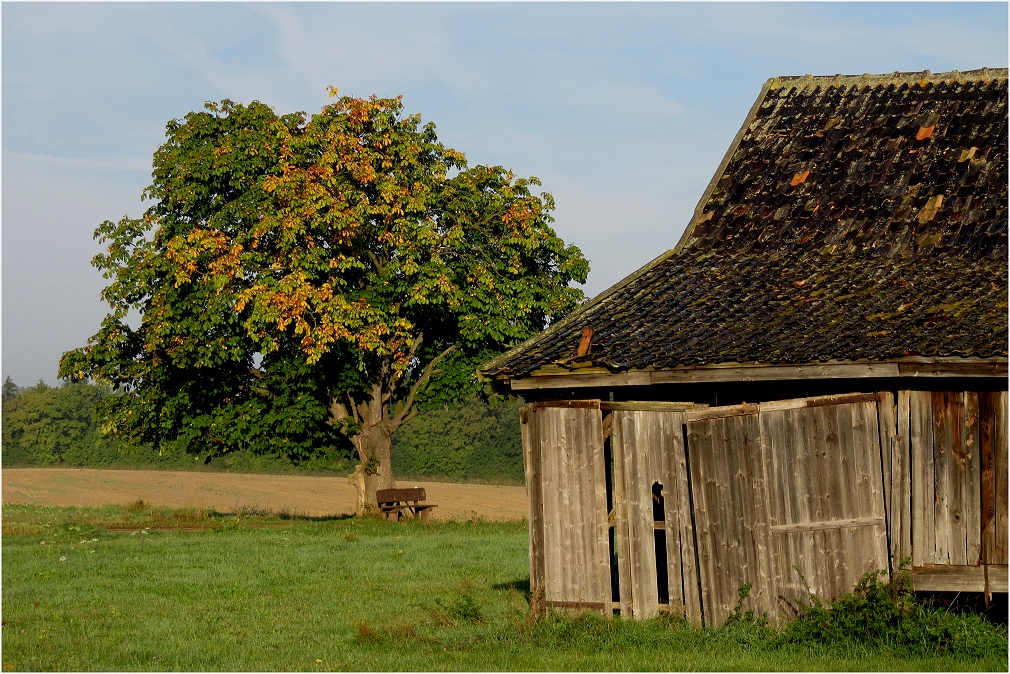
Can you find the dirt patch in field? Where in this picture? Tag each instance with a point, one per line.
(230, 492)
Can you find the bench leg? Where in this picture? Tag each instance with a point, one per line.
(425, 514)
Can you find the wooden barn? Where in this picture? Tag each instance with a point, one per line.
(811, 385)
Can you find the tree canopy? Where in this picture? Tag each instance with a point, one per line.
(306, 281)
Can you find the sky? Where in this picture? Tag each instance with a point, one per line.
(623, 111)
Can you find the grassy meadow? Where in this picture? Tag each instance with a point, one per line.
(149, 589)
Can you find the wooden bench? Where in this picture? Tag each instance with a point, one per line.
(394, 502)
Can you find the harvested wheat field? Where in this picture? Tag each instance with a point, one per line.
(229, 492)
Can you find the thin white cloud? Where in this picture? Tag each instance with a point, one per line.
(35, 159)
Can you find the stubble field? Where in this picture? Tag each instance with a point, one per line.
(230, 492)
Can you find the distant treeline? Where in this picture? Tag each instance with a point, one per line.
(56, 426)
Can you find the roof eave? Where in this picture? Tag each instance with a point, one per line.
(909, 367)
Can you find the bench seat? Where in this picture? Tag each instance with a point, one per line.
(395, 503)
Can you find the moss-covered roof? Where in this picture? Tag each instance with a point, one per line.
(853, 219)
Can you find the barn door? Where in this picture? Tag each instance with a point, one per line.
(730, 518)
(825, 494)
(787, 495)
(566, 483)
(652, 513)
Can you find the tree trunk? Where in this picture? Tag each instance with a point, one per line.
(375, 470)
(374, 430)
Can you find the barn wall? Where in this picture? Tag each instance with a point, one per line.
(789, 496)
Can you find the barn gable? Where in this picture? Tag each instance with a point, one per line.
(854, 220)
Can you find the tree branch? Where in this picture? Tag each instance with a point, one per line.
(375, 261)
(354, 407)
(403, 409)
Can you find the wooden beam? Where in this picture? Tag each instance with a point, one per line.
(722, 412)
(944, 578)
(827, 524)
(949, 369)
(595, 605)
(774, 372)
(554, 377)
(646, 406)
(586, 404)
(580, 380)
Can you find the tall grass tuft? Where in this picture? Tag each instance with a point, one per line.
(886, 614)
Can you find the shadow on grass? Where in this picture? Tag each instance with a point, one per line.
(521, 585)
(282, 515)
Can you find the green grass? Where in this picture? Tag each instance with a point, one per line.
(145, 589)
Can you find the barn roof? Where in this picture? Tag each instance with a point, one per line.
(854, 219)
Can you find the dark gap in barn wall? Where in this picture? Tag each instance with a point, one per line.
(659, 517)
(608, 465)
(615, 580)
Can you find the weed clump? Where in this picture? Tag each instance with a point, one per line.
(886, 614)
(463, 609)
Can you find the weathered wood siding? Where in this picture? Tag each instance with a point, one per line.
(648, 448)
(731, 521)
(825, 495)
(992, 411)
(790, 496)
(900, 496)
(959, 499)
(570, 560)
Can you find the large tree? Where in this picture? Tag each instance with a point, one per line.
(300, 279)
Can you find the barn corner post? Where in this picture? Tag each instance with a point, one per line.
(531, 461)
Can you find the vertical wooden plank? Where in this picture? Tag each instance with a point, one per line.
(987, 403)
(673, 440)
(887, 424)
(973, 477)
(685, 534)
(923, 485)
(764, 579)
(873, 540)
(732, 566)
(531, 459)
(787, 443)
(602, 528)
(621, 526)
(901, 485)
(640, 434)
(581, 571)
(700, 446)
(570, 549)
(1000, 552)
(943, 475)
(782, 442)
(554, 505)
(548, 466)
(848, 483)
(959, 481)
